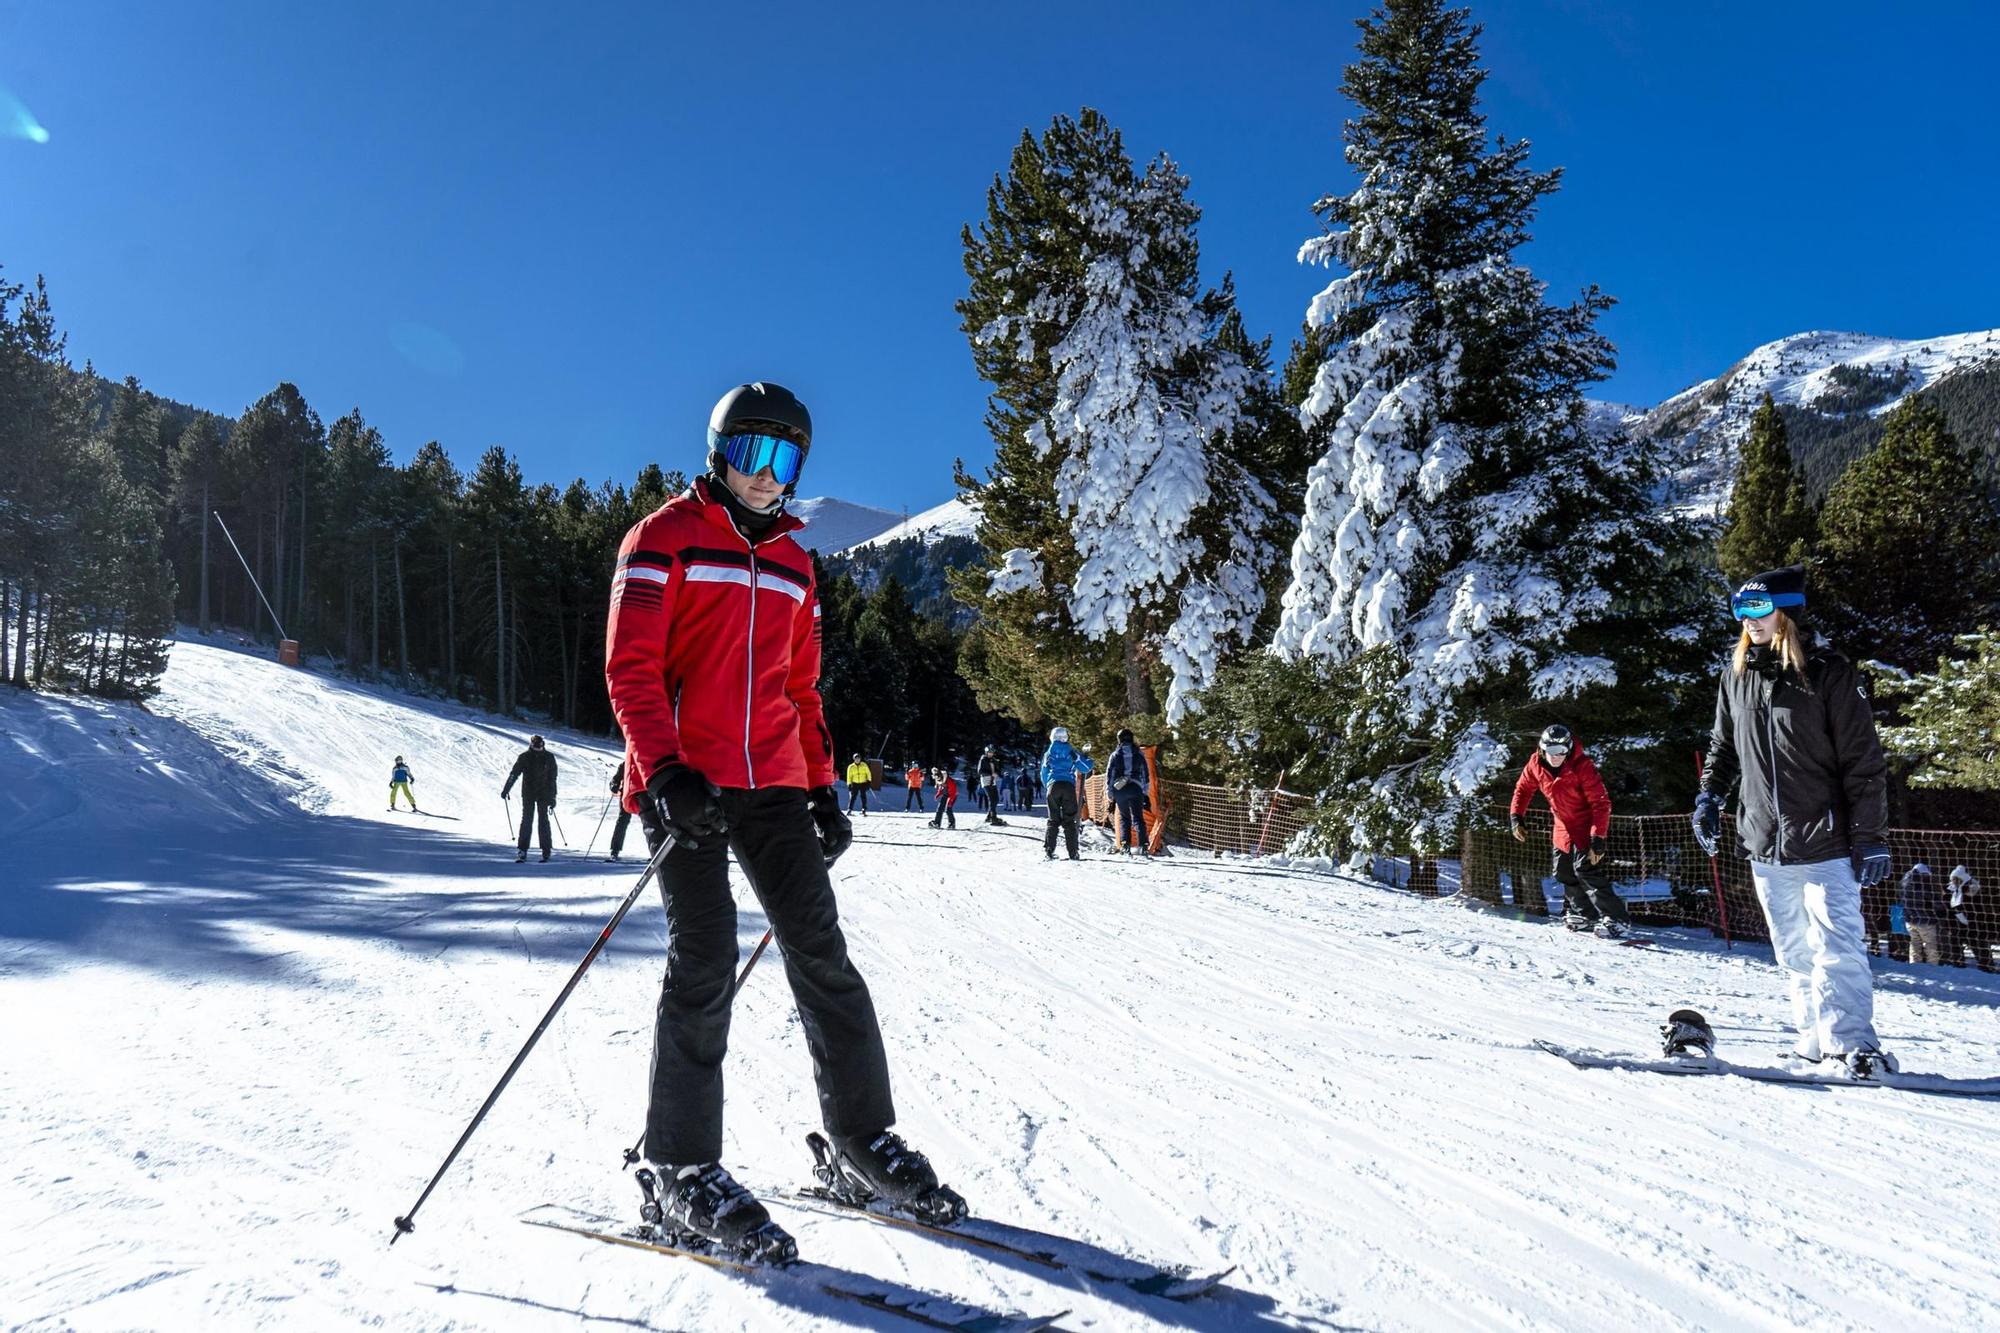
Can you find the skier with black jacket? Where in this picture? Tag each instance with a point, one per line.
(1130, 779)
(535, 770)
(1792, 722)
(712, 662)
(624, 820)
(989, 785)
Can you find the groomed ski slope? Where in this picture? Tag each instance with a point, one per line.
(245, 1011)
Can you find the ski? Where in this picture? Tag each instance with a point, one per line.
(919, 1307)
(1173, 1282)
(1831, 1074)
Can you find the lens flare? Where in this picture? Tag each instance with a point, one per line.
(16, 122)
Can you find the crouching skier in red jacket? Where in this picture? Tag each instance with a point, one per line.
(712, 660)
(1563, 773)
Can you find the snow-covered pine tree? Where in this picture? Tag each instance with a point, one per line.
(1125, 537)
(1462, 522)
(1770, 521)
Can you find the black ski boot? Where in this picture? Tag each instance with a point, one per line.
(1684, 1032)
(702, 1207)
(1865, 1065)
(867, 1167)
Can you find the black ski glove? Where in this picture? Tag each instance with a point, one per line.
(836, 831)
(1597, 848)
(1708, 821)
(1518, 827)
(688, 804)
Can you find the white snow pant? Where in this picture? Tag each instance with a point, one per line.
(1814, 912)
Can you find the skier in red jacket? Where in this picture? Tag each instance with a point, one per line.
(1563, 773)
(712, 659)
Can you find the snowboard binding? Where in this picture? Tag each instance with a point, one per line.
(1686, 1034)
(927, 1201)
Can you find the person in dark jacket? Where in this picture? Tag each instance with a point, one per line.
(1794, 734)
(1926, 915)
(1974, 918)
(535, 770)
(1130, 779)
(1569, 781)
(988, 776)
(624, 820)
(712, 663)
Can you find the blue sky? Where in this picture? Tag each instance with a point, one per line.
(568, 229)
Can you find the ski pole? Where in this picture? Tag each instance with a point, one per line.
(509, 807)
(558, 818)
(600, 824)
(632, 1153)
(406, 1222)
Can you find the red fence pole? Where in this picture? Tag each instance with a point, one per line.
(1271, 809)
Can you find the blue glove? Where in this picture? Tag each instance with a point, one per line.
(1871, 863)
(1708, 821)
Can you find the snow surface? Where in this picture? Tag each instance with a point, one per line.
(836, 525)
(953, 518)
(247, 1011)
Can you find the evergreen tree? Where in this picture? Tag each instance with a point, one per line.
(1770, 522)
(1122, 531)
(1513, 569)
(1950, 725)
(1908, 543)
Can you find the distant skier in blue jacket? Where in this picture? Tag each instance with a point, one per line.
(1062, 768)
(1130, 779)
(399, 783)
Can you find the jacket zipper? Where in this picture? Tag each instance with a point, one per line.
(1771, 739)
(750, 664)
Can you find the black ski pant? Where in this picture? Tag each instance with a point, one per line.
(914, 798)
(947, 813)
(1131, 802)
(1062, 816)
(991, 800)
(857, 792)
(773, 838)
(624, 822)
(1587, 890)
(529, 810)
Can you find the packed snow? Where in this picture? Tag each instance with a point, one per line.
(247, 1011)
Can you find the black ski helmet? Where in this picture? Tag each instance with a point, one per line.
(763, 408)
(1556, 735)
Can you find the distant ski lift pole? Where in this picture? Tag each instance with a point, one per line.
(288, 647)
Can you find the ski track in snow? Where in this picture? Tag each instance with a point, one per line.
(248, 1011)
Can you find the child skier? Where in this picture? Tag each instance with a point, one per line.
(1564, 775)
(399, 781)
(947, 799)
(712, 663)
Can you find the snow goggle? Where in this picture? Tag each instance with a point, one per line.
(1756, 605)
(751, 454)
(1559, 751)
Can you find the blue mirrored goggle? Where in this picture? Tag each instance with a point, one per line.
(751, 454)
(1757, 605)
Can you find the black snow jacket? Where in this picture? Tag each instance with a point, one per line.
(1814, 783)
(618, 780)
(1128, 765)
(536, 770)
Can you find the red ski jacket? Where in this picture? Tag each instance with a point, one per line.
(1575, 792)
(712, 655)
(949, 796)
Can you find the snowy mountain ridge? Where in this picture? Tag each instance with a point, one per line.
(1705, 424)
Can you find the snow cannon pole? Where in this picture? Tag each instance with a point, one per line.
(600, 824)
(1271, 809)
(406, 1223)
(632, 1153)
(1715, 871)
(246, 569)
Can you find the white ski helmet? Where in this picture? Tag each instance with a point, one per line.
(1059, 734)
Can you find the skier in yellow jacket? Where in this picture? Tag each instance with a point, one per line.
(860, 778)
